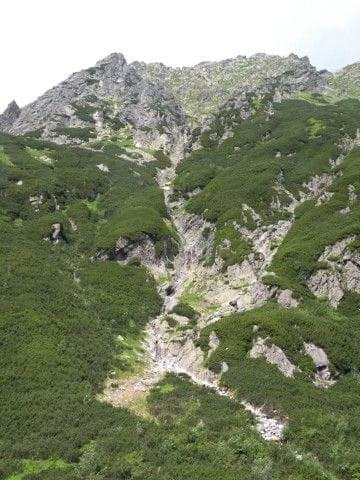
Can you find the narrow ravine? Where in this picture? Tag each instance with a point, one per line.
(170, 350)
(167, 350)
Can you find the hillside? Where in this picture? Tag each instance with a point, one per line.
(181, 274)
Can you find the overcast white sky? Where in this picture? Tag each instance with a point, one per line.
(44, 41)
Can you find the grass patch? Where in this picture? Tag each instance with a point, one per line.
(4, 158)
(34, 467)
(185, 310)
(80, 133)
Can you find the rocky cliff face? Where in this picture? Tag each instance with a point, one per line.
(154, 100)
(10, 115)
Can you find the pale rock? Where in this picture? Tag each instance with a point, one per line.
(324, 198)
(56, 233)
(224, 368)
(348, 143)
(73, 225)
(323, 376)
(36, 200)
(273, 354)
(103, 168)
(345, 210)
(338, 161)
(352, 199)
(351, 271)
(343, 273)
(286, 300)
(9, 116)
(327, 284)
(337, 249)
(214, 341)
(352, 194)
(270, 428)
(98, 119)
(316, 184)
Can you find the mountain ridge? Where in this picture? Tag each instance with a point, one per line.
(152, 85)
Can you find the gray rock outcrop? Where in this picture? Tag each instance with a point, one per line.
(286, 300)
(143, 250)
(323, 375)
(9, 116)
(154, 100)
(343, 272)
(273, 354)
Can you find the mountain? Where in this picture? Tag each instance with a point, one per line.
(181, 274)
(153, 98)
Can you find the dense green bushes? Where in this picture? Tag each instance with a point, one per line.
(80, 133)
(229, 245)
(263, 152)
(59, 312)
(289, 148)
(321, 421)
(185, 310)
(320, 226)
(197, 434)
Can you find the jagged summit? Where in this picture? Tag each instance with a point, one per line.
(155, 100)
(10, 114)
(115, 57)
(13, 107)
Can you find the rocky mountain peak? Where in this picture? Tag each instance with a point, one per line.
(10, 114)
(154, 100)
(115, 58)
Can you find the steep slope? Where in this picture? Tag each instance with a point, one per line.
(346, 82)
(154, 100)
(9, 116)
(186, 249)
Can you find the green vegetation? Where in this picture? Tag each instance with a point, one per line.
(4, 159)
(315, 127)
(346, 82)
(34, 467)
(35, 133)
(185, 310)
(162, 158)
(193, 295)
(171, 321)
(60, 314)
(322, 421)
(317, 227)
(80, 133)
(68, 322)
(230, 246)
(202, 93)
(197, 434)
(85, 112)
(287, 150)
(42, 155)
(60, 339)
